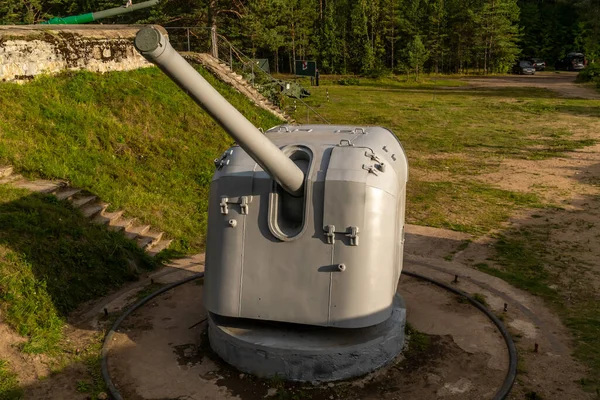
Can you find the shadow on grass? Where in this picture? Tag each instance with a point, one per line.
(523, 93)
(553, 253)
(51, 260)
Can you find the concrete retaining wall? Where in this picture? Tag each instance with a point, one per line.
(30, 50)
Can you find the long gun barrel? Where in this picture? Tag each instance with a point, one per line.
(95, 16)
(155, 47)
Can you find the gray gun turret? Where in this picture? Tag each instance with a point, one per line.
(305, 223)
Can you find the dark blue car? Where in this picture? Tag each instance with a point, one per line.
(523, 67)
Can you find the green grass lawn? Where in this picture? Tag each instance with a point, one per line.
(452, 133)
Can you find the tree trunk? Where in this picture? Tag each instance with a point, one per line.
(293, 49)
(212, 21)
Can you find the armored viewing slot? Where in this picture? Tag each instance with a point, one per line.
(155, 47)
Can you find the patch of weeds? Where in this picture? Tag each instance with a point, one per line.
(348, 82)
(531, 395)
(83, 387)
(418, 342)
(148, 290)
(558, 148)
(9, 385)
(462, 246)
(521, 368)
(480, 298)
(277, 382)
(91, 357)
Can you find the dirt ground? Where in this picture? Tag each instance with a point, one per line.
(162, 352)
(560, 82)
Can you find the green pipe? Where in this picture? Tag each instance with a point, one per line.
(94, 16)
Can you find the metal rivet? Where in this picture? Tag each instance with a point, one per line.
(232, 223)
(341, 267)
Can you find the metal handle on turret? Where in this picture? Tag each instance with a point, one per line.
(155, 47)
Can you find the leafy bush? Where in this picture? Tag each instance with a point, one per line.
(349, 82)
(591, 73)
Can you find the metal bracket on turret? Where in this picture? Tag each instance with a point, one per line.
(243, 201)
(353, 235)
(371, 168)
(222, 161)
(379, 164)
(330, 234)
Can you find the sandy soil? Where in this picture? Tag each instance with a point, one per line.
(562, 83)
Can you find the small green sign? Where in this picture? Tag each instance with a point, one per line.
(263, 63)
(306, 68)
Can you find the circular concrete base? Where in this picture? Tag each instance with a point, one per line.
(307, 353)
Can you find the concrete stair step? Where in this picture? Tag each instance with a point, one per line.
(149, 239)
(91, 209)
(107, 218)
(158, 247)
(121, 224)
(5, 170)
(40, 186)
(66, 193)
(11, 178)
(134, 232)
(82, 200)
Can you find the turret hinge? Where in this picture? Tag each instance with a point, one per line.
(372, 169)
(379, 164)
(223, 204)
(244, 205)
(243, 201)
(353, 235)
(330, 234)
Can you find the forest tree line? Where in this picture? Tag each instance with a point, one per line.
(368, 36)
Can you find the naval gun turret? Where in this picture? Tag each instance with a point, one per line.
(305, 240)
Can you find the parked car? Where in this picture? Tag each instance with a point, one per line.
(523, 67)
(538, 63)
(572, 62)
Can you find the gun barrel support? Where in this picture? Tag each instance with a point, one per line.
(155, 47)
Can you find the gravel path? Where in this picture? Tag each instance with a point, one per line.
(562, 83)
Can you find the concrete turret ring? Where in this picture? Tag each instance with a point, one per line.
(307, 353)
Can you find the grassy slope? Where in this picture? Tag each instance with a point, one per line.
(51, 260)
(133, 138)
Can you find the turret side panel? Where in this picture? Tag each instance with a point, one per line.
(286, 281)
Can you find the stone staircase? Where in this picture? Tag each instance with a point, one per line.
(151, 241)
(222, 71)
